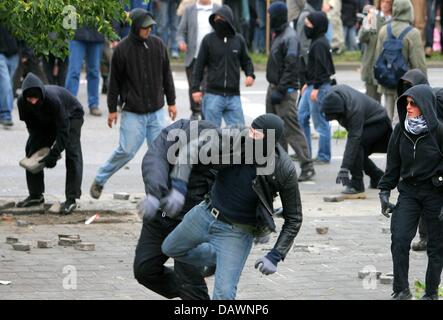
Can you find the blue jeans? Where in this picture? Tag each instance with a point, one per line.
(258, 43)
(215, 107)
(167, 23)
(8, 65)
(202, 240)
(350, 36)
(307, 109)
(134, 129)
(77, 52)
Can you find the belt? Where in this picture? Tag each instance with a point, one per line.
(217, 214)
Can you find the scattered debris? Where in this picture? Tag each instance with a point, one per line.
(322, 230)
(44, 244)
(21, 247)
(85, 246)
(387, 278)
(6, 204)
(364, 273)
(91, 219)
(7, 217)
(68, 241)
(21, 223)
(121, 196)
(386, 230)
(11, 240)
(55, 208)
(69, 236)
(342, 197)
(5, 283)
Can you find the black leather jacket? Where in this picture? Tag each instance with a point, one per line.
(282, 181)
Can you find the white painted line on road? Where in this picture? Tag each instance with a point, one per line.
(271, 281)
(290, 269)
(279, 274)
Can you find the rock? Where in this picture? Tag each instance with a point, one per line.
(7, 217)
(21, 247)
(68, 242)
(44, 244)
(55, 208)
(387, 278)
(5, 204)
(85, 246)
(11, 240)
(69, 236)
(364, 273)
(322, 230)
(121, 196)
(21, 223)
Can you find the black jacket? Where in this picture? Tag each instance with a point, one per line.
(223, 57)
(320, 66)
(349, 10)
(58, 107)
(414, 158)
(156, 167)
(353, 110)
(282, 181)
(8, 44)
(88, 34)
(281, 69)
(140, 72)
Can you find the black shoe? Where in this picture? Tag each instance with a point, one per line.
(208, 271)
(68, 206)
(420, 245)
(104, 89)
(351, 190)
(430, 296)
(402, 295)
(306, 175)
(30, 202)
(96, 190)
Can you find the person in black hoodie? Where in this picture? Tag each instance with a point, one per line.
(9, 58)
(141, 75)
(369, 130)
(316, 77)
(184, 280)
(282, 94)
(223, 52)
(54, 118)
(414, 165)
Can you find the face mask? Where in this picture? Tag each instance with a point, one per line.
(309, 32)
(277, 23)
(222, 28)
(406, 86)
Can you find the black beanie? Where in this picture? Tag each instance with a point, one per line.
(269, 121)
(333, 104)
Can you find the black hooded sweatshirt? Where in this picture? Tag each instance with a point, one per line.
(58, 106)
(353, 110)
(414, 158)
(223, 56)
(415, 77)
(140, 72)
(320, 66)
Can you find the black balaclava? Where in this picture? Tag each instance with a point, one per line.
(223, 28)
(333, 106)
(320, 22)
(34, 93)
(278, 13)
(267, 122)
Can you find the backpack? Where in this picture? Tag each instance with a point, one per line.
(391, 65)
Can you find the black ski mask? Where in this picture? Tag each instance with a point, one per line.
(222, 28)
(34, 93)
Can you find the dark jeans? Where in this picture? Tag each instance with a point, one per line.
(31, 65)
(375, 138)
(184, 281)
(414, 201)
(74, 160)
(422, 230)
(195, 107)
(293, 133)
(55, 70)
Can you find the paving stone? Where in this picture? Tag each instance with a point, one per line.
(11, 240)
(121, 196)
(21, 247)
(68, 241)
(6, 204)
(44, 244)
(55, 208)
(387, 278)
(21, 223)
(85, 246)
(68, 236)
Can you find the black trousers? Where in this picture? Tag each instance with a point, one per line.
(31, 65)
(184, 281)
(375, 138)
(74, 160)
(195, 107)
(414, 201)
(55, 70)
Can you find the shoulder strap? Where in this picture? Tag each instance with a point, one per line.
(404, 32)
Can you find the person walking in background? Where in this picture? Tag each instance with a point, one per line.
(167, 23)
(194, 26)
(87, 43)
(141, 75)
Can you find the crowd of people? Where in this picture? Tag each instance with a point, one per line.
(207, 214)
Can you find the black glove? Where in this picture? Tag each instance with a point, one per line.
(343, 177)
(386, 206)
(276, 97)
(50, 160)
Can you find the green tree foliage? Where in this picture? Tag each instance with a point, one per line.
(47, 25)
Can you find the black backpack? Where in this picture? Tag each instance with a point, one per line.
(391, 65)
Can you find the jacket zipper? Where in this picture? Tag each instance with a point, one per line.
(226, 64)
(415, 145)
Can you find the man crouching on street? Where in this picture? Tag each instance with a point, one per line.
(220, 231)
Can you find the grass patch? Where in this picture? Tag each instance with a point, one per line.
(339, 134)
(420, 289)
